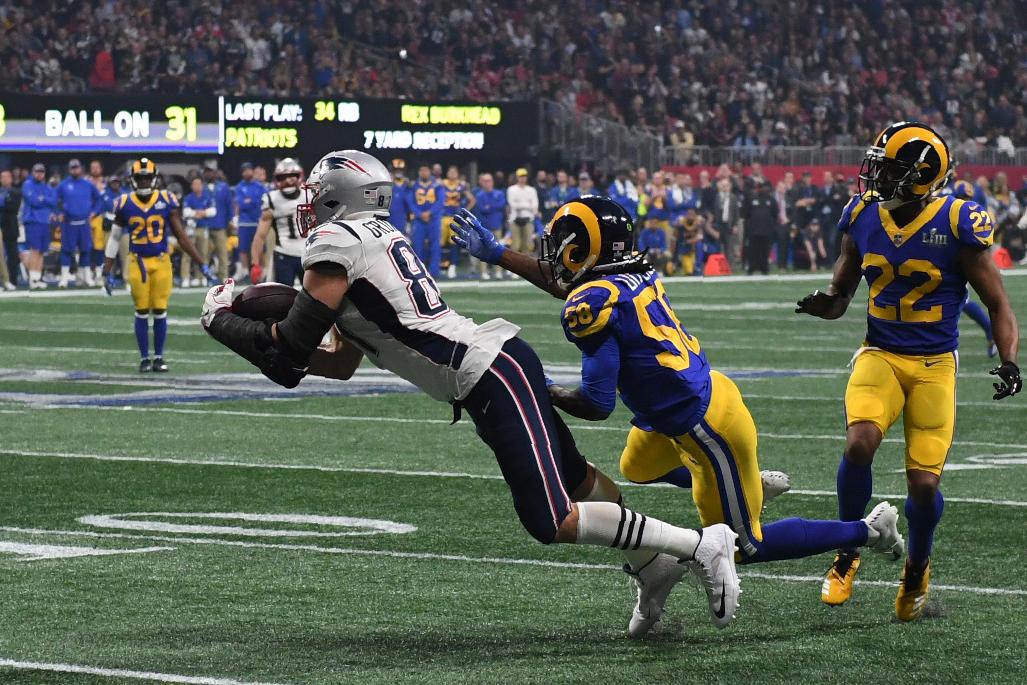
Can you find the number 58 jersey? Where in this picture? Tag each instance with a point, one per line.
(394, 313)
(663, 376)
(917, 286)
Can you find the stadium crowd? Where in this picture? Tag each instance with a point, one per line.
(734, 212)
(745, 73)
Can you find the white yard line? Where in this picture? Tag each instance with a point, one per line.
(825, 277)
(839, 437)
(432, 556)
(232, 463)
(123, 673)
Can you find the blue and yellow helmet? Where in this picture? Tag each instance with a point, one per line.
(964, 190)
(908, 161)
(143, 176)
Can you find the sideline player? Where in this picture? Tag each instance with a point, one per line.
(455, 194)
(917, 253)
(280, 215)
(618, 314)
(146, 212)
(362, 278)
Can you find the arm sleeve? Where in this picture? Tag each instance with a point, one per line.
(599, 369)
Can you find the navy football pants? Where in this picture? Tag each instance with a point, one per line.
(535, 450)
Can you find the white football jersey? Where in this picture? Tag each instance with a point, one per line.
(283, 209)
(394, 313)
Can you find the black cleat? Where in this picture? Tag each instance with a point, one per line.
(159, 366)
(145, 366)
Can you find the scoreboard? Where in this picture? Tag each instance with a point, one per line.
(300, 127)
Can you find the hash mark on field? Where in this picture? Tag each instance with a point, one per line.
(221, 462)
(502, 561)
(123, 673)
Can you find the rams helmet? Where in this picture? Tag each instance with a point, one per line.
(143, 177)
(964, 190)
(591, 235)
(907, 162)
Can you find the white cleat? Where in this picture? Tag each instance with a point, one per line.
(87, 277)
(63, 283)
(884, 521)
(654, 582)
(775, 484)
(714, 566)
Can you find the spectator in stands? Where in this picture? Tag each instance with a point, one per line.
(218, 229)
(623, 192)
(522, 200)
(490, 208)
(78, 202)
(10, 206)
(761, 214)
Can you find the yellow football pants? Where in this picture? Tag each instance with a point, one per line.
(922, 388)
(720, 453)
(150, 280)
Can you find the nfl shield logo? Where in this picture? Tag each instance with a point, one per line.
(898, 239)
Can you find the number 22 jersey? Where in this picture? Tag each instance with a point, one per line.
(917, 286)
(394, 313)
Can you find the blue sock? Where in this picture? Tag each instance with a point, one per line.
(67, 258)
(977, 313)
(922, 519)
(160, 332)
(680, 477)
(143, 334)
(796, 538)
(854, 484)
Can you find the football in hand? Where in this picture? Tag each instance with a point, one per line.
(264, 301)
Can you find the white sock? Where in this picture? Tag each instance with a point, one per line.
(34, 276)
(605, 490)
(611, 525)
(65, 272)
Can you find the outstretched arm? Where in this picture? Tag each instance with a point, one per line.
(984, 276)
(847, 272)
(479, 241)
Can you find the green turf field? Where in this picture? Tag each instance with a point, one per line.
(459, 592)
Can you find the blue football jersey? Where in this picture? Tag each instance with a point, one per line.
(664, 377)
(146, 221)
(917, 287)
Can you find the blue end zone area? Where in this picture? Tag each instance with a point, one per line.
(246, 386)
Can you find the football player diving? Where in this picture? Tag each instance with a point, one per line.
(684, 413)
(363, 279)
(147, 212)
(917, 253)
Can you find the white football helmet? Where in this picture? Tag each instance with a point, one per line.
(288, 173)
(346, 184)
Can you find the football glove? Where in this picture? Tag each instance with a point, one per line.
(256, 273)
(211, 278)
(1010, 384)
(479, 241)
(817, 303)
(218, 298)
(108, 283)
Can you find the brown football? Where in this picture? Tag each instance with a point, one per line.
(264, 301)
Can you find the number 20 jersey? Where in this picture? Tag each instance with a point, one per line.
(917, 286)
(394, 313)
(663, 376)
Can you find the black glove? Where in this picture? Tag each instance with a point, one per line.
(817, 303)
(1011, 381)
